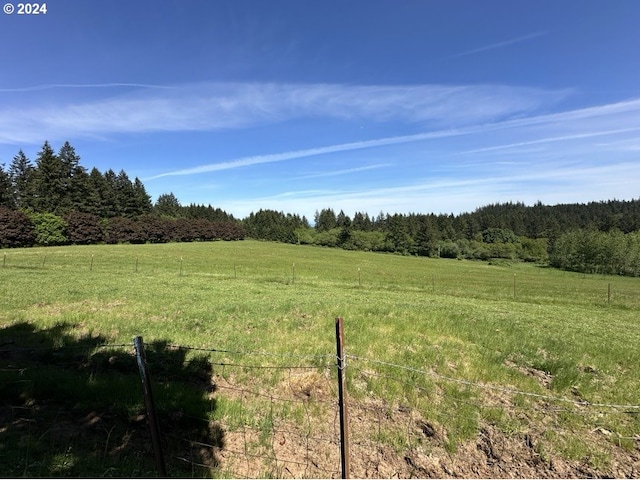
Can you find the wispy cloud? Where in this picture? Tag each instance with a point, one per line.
(457, 195)
(53, 86)
(280, 157)
(579, 124)
(346, 171)
(503, 44)
(561, 138)
(221, 106)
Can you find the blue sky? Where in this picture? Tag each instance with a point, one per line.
(393, 106)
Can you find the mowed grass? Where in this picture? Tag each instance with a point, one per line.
(462, 329)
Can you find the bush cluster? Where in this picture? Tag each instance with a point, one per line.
(18, 229)
(613, 252)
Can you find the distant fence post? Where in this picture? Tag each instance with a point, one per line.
(151, 409)
(342, 405)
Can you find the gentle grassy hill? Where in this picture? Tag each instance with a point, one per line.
(448, 340)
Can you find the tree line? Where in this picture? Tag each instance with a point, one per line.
(564, 236)
(57, 201)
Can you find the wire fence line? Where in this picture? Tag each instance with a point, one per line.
(606, 289)
(485, 386)
(285, 423)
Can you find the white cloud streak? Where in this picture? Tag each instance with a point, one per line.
(221, 106)
(280, 157)
(503, 44)
(346, 171)
(561, 138)
(454, 195)
(590, 121)
(54, 86)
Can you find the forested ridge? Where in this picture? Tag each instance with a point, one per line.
(57, 201)
(601, 237)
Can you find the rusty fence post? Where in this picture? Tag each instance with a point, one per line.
(150, 406)
(342, 404)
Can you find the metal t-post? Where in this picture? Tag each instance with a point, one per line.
(342, 404)
(151, 409)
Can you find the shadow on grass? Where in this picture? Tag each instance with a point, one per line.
(73, 406)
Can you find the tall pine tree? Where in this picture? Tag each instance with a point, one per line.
(50, 193)
(142, 199)
(21, 172)
(6, 189)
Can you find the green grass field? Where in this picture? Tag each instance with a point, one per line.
(462, 335)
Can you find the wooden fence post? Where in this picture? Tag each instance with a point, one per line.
(342, 405)
(151, 408)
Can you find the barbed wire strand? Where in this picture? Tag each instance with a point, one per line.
(265, 367)
(412, 425)
(258, 367)
(430, 392)
(88, 348)
(227, 450)
(252, 353)
(238, 388)
(493, 387)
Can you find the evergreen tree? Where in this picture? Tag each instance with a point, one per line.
(70, 161)
(362, 222)
(142, 200)
(6, 189)
(343, 220)
(74, 179)
(81, 192)
(325, 220)
(397, 234)
(425, 238)
(167, 205)
(21, 172)
(272, 225)
(97, 199)
(110, 205)
(50, 194)
(126, 199)
(380, 222)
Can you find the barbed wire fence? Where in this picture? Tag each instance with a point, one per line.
(279, 415)
(284, 425)
(428, 423)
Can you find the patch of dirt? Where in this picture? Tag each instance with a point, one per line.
(543, 377)
(386, 440)
(310, 448)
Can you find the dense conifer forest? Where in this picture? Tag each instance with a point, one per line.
(57, 201)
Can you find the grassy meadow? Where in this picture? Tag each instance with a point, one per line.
(451, 339)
